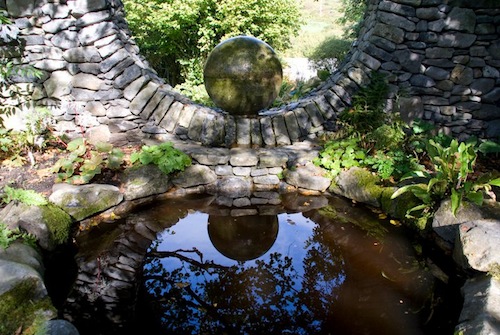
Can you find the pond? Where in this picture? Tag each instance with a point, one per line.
(306, 265)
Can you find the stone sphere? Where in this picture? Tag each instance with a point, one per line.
(243, 75)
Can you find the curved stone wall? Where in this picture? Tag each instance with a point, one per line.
(442, 58)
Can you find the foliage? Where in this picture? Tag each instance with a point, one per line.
(165, 156)
(354, 11)
(9, 69)
(15, 140)
(340, 155)
(393, 163)
(177, 35)
(28, 197)
(8, 236)
(293, 90)
(332, 47)
(84, 161)
(370, 137)
(367, 111)
(21, 135)
(453, 166)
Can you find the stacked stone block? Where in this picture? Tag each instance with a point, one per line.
(441, 56)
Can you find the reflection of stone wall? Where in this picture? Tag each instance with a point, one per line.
(111, 258)
(442, 60)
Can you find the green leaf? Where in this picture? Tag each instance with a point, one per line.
(103, 147)
(476, 197)
(495, 182)
(75, 144)
(456, 199)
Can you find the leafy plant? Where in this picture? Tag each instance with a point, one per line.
(354, 11)
(8, 236)
(453, 166)
(28, 197)
(338, 155)
(367, 110)
(85, 161)
(26, 133)
(164, 155)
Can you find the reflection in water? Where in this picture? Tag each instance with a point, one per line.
(189, 267)
(303, 284)
(290, 290)
(243, 238)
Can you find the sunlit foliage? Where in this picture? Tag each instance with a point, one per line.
(177, 35)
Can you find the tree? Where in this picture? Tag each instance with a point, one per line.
(354, 10)
(176, 36)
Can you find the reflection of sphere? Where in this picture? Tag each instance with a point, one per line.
(243, 75)
(243, 238)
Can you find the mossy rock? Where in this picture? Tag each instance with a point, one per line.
(20, 311)
(48, 223)
(58, 222)
(359, 185)
(83, 201)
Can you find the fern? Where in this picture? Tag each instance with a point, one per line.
(8, 236)
(28, 197)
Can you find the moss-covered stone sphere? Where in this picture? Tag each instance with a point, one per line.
(243, 75)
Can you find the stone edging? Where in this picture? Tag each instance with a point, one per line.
(258, 176)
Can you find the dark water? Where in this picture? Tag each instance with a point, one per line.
(330, 268)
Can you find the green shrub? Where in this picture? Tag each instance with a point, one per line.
(367, 111)
(165, 156)
(176, 36)
(332, 47)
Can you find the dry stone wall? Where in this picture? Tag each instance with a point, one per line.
(442, 58)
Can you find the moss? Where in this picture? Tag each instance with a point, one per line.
(397, 207)
(58, 222)
(369, 183)
(18, 310)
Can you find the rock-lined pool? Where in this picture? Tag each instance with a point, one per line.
(308, 265)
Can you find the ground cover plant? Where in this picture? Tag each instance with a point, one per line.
(432, 166)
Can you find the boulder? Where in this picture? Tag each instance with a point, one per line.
(477, 245)
(445, 224)
(194, 175)
(309, 177)
(49, 224)
(144, 181)
(481, 307)
(359, 185)
(82, 201)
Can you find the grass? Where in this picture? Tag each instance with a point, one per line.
(320, 23)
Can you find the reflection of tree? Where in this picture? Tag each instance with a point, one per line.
(270, 296)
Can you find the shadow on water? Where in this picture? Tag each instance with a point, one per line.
(311, 265)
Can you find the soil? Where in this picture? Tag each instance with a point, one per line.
(40, 177)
